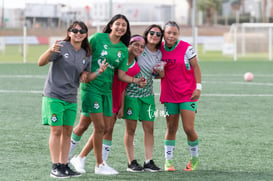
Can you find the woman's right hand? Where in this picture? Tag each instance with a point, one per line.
(56, 46)
(140, 81)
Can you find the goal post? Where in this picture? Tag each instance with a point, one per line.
(2, 45)
(250, 39)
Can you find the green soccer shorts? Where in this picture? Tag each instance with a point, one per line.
(174, 108)
(142, 109)
(56, 112)
(95, 103)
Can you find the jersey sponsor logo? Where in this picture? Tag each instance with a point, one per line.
(66, 55)
(96, 105)
(129, 111)
(103, 53)
(109, 66)
(119, 54)
(54, 118)
(169, 60)
(117, 60)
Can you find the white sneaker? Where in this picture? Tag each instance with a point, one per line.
(102, 169)
(78, 163)
(110, 168)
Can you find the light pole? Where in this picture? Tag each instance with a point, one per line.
(3, 14)
(194, 29)
(110, 8)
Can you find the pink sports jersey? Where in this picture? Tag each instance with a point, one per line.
(179, 83)
(119, 86)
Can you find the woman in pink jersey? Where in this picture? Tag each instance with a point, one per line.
(135, 48)
(180, 91)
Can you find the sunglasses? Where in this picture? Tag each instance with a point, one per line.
(158, 34)
(82, 31)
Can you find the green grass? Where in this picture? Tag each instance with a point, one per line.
(234, 124)
(14, 54)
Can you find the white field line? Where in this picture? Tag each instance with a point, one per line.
(157, 80)
(205, 75)
(156, 94)
(236, 75)
(23, 76)
(239, 83)
(22, 91)
(232, 95)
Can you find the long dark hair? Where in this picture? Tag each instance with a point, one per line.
(145, 34)
(126, 37)
(85, 44)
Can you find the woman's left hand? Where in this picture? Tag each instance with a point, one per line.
(103, 67)
(196, 94)
(120, 113)
(84, 77)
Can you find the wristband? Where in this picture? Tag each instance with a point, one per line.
(199, 86)
(97, 73)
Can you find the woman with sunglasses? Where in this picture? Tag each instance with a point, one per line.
(70, 61)
(140, 104)
(180, 91)
(97, 95)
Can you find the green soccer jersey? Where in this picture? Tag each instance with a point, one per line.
(116, 56)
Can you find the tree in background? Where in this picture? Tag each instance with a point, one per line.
(207, 7)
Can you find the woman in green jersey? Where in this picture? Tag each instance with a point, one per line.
(111, 45)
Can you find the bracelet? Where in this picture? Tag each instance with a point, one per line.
(97, 73)
(199, 86)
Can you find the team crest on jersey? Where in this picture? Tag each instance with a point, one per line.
(105, 46)
(103, 53)
(96, 105)
(144, 54)
(119, 54)
(66, 55)
(54, 118)
(129, 111)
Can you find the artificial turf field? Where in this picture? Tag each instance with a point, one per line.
(234, 124)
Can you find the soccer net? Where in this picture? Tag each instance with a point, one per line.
(249, 40)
